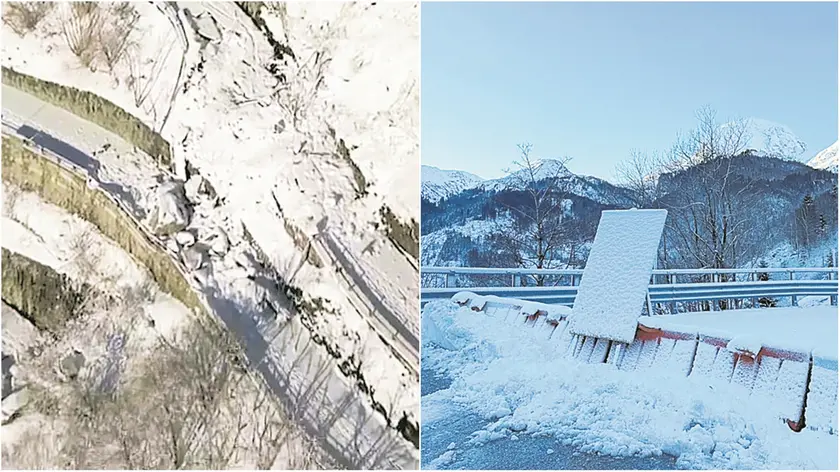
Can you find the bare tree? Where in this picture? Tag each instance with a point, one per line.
(708, 223)
(270, 431)
(114, 37)
(537, 239)
(640, 175)
(23, 17)
(81, 27)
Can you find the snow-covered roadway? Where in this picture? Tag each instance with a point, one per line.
(299, 372)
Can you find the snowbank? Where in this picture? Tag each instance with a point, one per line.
(517, 383)
(809, 330)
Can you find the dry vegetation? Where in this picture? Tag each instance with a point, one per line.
(142, 400)
(11, 195)
(23, 17)
(99, 33)
(185, 404)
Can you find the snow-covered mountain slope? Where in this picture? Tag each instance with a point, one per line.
(456, 233)
(544, 169)
(772, 139)
(586, 186)
(311, 140)
(438, 184)
(826, 159)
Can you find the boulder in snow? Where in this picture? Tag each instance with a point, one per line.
(172, 213)
(13, 404)
(193, 258)
(247, 262)
(218, 242)
(185, 238)
(72, 364)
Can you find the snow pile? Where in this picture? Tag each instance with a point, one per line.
(18, 332)
(513, 380)
(821, 413)
(172, 212)
(615, 281)
(807, 330)
(432, 335)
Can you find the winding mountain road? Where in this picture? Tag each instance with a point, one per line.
(301, 374)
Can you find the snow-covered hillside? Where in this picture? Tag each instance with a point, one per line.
(543, 169)
(826, 159)
(438, 184)
(292, 146)
(453, 230)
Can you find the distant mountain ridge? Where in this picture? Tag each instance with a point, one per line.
(459, 229)
(438, 184)
(826, 159)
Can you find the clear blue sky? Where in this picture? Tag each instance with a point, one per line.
(594, 80)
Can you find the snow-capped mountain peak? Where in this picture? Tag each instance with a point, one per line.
(772, 139)
(544, 169)
(438, 184)
(826, 159)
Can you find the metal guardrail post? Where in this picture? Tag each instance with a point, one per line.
(446, 280)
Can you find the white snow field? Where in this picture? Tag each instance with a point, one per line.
(270, 151)
(531, 380)
(615, 281)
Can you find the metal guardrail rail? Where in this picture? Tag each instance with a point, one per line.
(660, 293)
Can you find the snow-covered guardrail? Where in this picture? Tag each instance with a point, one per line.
(659, 275)
(797, 383)
(662, 293)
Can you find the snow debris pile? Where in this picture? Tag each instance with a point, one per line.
(432, 335)
(171, 213)
(522, 385)
(269, 135)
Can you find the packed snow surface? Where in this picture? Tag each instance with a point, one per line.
(615, 281)
(519, 385)
(797, 329)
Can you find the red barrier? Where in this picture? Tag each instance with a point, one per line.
(782, 376)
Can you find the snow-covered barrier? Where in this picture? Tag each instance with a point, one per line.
(799, 387)
(821, 412)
